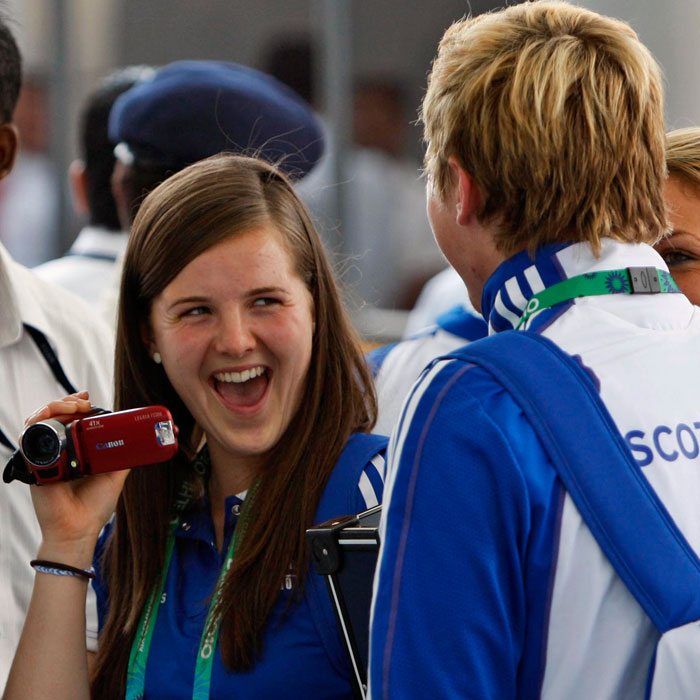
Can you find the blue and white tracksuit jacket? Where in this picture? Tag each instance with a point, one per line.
(490, 585)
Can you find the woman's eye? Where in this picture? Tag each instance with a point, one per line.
(195, 311)
(676, 257)
(266, 301)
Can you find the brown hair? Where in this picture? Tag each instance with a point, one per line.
(186, 215)
(557, 114)
(683, 155)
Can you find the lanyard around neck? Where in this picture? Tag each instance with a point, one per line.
(136, 675)
(626, 280)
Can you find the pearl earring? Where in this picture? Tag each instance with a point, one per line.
(157, 358)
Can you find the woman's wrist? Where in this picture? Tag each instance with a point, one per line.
(76, 553)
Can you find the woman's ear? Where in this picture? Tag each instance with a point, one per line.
(79, 185)
(147, 339)
(9, 146)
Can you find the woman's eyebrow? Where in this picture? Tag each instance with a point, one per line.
(186, 300)
(265, 290)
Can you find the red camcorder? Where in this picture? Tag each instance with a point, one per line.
(99, 441)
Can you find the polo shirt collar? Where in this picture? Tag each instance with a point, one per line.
(97, 240)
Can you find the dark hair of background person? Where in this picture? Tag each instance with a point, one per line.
(380, 120)
(199, 207)
(96, 149)
(290, 60)
(10, 71)
(137, 180)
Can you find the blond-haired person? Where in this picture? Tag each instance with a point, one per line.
(545, 161)
(681, 248)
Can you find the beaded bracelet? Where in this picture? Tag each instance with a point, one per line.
(57, 569)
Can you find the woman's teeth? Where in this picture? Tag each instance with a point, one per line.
(239, 377)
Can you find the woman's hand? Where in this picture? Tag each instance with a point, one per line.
(71, 514)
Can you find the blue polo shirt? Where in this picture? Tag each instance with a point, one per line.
(302, 656)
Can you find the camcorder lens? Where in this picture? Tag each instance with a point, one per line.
(41, 445)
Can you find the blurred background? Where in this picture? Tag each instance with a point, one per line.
(361, 63)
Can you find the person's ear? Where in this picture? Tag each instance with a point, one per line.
(466, 192)
(148, 341)
(9, 146)
(78, 185)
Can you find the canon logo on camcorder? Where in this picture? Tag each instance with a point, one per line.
(108, 445)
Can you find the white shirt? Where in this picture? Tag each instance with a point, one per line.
(89, 267)
(397, 367)
(84, 346)
(440, 293)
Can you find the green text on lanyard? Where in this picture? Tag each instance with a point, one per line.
(627, 280)
(136, 676)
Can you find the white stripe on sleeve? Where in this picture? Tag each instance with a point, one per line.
(367, 491)
(379, 464)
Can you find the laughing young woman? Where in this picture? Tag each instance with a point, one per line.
(229, 316)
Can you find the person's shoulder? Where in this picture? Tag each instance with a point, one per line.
(357, 480)
(453, 329)
(371, 453)
(57, 310)
(362, 448)
(69, 271)
(459, 414)
(456, 400)
(81, 339)
(451, 376)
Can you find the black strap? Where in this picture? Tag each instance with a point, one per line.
(50, 356)
(4, 440)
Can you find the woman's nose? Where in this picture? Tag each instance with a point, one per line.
(235, 334)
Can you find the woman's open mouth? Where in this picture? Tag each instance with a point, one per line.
(242, 389)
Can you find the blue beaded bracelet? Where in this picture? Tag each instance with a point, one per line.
(57, 569)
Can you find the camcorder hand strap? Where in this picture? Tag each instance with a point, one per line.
(17, 469)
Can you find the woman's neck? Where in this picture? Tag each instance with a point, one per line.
(229, 475)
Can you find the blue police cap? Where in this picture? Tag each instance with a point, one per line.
(191, 110)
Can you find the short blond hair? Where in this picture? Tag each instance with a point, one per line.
(683, 155)
(557, 114)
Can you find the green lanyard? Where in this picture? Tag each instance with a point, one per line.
(626, 280)
(136, 676)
